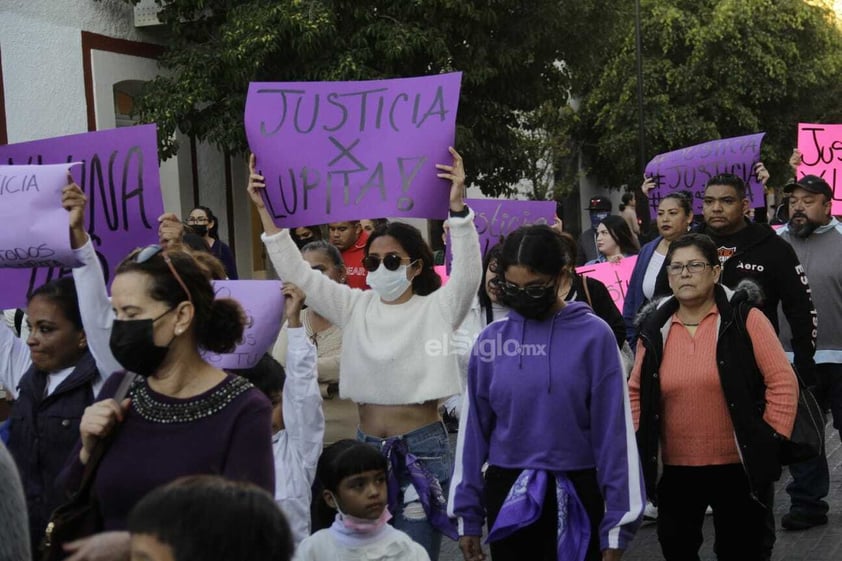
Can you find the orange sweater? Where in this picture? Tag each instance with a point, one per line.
(696, 426)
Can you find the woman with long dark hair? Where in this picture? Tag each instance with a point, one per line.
(396, 359)
(614, 240)
(547, 411)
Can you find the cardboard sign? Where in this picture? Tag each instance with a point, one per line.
(35, 229)
(821, 153)
(264, 306)
(689, 169)
(615, 277)
(497, 218)
(338, 151)
(118, 172)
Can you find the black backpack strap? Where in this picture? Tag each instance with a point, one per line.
(18, 321)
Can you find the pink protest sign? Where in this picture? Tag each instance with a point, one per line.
(35, 227)
(689, 169)
(264, 306)
(615, 277)
(337, 151)
(119, 175)
(441, 271)
(821, 153)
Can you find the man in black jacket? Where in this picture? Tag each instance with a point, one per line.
(754, 251)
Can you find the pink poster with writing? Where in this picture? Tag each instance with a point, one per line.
(821, 153)
(615, 277)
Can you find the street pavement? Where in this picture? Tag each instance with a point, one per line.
(822, 543)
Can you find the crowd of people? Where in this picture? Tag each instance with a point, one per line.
(575, 417)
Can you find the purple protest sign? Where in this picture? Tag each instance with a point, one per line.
(689, 169)
(264, 305)
(337, 151)
(119, 175)
(497, 218)
(27, 192)
(821, 154)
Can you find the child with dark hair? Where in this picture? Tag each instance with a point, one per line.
(209, 518)
(352, 475)
(298, 423)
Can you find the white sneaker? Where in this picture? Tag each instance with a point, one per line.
(650, 513)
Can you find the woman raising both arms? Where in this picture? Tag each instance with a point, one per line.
(388, 367)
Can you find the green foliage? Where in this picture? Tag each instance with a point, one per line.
(506, 50)
(713, 69)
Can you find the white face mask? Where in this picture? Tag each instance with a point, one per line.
(389, 285)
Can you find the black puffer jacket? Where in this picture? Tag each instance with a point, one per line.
(43, 432)
(742, 385)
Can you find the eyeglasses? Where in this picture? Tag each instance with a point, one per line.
(197, 220)
(391, 261)
(151, 251)
(694, 268)
(513, 290)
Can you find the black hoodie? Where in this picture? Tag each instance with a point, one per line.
(757, 253)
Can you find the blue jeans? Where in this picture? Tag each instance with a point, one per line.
(811, 480)
(430, 445)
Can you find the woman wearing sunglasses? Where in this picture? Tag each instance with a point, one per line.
(547, 411)
(712, 395)
(396, 360)
(183, 416)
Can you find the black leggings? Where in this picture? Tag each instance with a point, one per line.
(540, 538)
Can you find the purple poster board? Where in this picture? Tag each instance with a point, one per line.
(689, 169)
(337, 151)
(27, 192)
(497, 218)
(264, 305)
(119, 175)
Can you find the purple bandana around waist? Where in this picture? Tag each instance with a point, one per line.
(429, 489)
(523, 506)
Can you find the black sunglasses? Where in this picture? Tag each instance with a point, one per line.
(391, 261)
(513, 290)
(151, 251)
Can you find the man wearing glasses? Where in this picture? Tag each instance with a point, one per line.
(753, 251)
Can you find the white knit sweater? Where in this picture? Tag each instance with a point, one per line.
(387, 357)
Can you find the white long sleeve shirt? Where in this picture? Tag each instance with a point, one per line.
(298, 446)
(95, 308)
(392, 354)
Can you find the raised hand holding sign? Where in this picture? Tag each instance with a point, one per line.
(336, 151)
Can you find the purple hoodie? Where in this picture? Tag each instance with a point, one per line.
(549, 395)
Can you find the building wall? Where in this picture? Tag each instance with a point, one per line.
(49, 49)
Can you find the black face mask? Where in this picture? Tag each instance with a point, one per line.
(200, 229)
(133, 345)
(529, 307)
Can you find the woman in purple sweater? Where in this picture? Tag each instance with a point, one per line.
(548, 410)
(183, 416)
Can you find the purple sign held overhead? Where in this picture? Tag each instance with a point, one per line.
(264, 306)
(119, 175)
(337, 151)
(27, 192)
(689, 169)
(497, 218)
